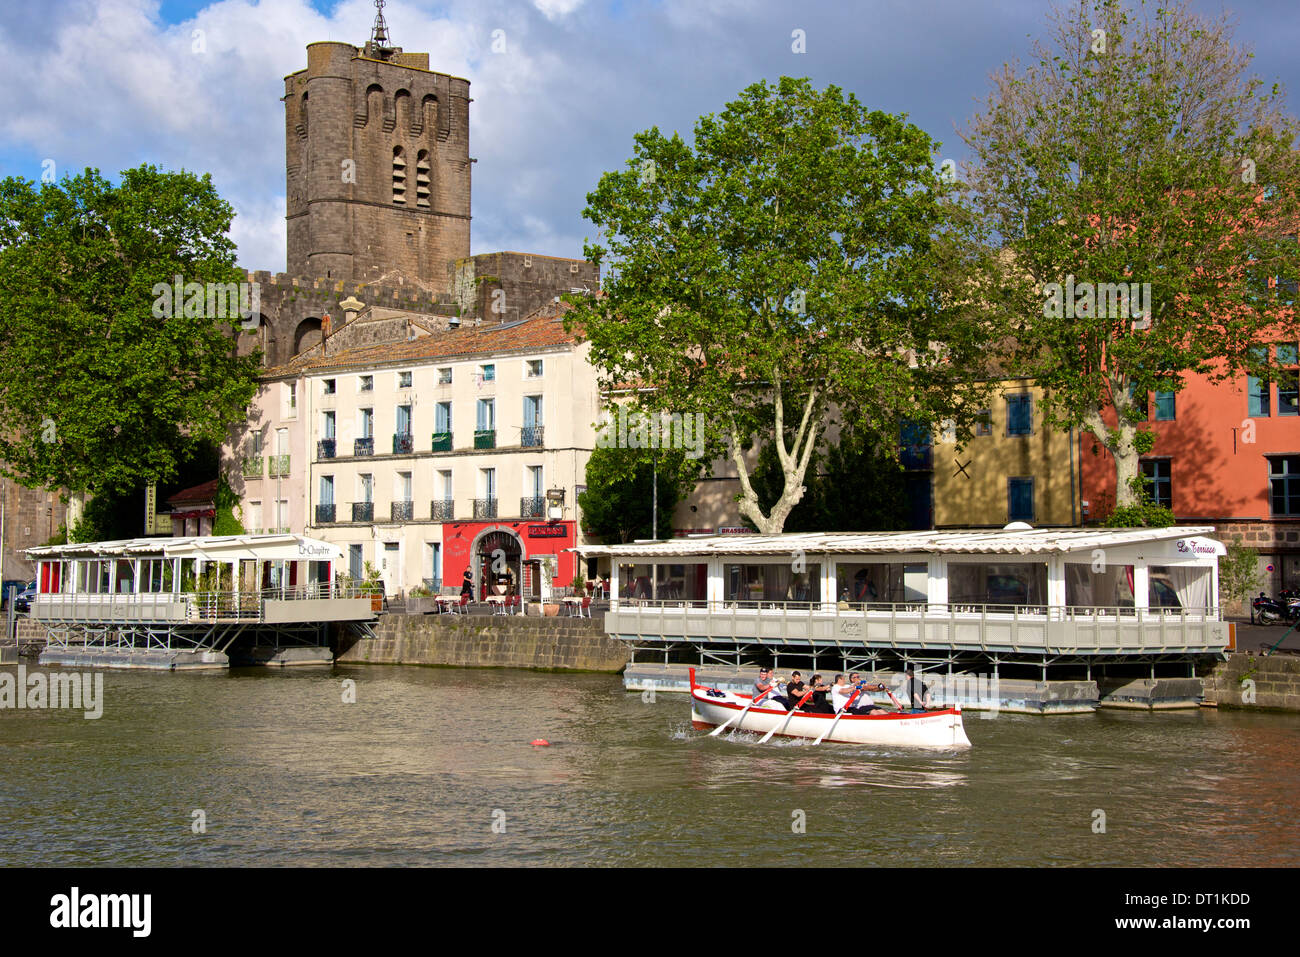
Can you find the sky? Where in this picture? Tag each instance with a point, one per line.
(187, 84)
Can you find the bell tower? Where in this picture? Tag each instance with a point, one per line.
(377, 164)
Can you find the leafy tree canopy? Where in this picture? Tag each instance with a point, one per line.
(802, 254)
(618, 503)
(96, 390)
(1147, 192)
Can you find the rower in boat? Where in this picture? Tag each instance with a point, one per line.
(765, 683)
(855, 681)
(916, 693)
(818, 704)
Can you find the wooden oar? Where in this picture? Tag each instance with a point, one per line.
(781, 727)
(843, 711)
(752, 701)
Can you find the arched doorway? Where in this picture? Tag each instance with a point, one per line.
(307, 335)
(497, 562)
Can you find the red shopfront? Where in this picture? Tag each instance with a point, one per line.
(508, 555)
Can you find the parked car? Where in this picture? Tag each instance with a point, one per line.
(7, 586)
(23, 600)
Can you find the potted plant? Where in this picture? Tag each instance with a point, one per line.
(373, 586)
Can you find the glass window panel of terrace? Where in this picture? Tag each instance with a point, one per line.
(1009, 584)
(684, 582)
(779, 583)
(1284, 479)
(1109, 588)
(880, 582)
(1178, 587)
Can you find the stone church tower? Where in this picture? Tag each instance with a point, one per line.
(377, 163)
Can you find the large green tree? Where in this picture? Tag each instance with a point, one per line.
(802, 254)
(101, 385)
(618, 505)
(1137, 157)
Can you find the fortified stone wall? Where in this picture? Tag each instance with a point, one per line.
(505, 286)
(32, 516)
(1276, 683)
(499, 641)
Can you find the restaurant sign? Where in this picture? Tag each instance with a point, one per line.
(547, 531)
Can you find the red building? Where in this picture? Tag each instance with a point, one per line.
(509, 553)
(1226, 454)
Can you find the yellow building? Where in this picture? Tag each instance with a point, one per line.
(1015, 468)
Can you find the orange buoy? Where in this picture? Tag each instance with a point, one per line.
(540, 743)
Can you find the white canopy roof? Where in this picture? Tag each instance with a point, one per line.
(1010, 541)
(219, 548)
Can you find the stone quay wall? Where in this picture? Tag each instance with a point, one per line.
(1276, 683)
(498, 641)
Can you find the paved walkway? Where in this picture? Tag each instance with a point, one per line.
(1258, 637)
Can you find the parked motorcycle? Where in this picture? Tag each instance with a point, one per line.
(1272, 610)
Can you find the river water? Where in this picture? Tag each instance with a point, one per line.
(433, 766)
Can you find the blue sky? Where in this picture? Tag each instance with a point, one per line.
(114, 83)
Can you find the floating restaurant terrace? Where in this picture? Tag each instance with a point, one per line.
(134, 600)
(1031, 596)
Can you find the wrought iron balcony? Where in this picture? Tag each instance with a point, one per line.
(442, 441)
(442, 511)
(325, 449)
(403, 444)
(485, 438)
(277, 466)
(253, 467)
(363, 446)
(532, 436)
(485, 508)
(325, 514)
(363, 511)
(401, 511)
(531, 506)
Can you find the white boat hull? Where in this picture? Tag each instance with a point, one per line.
(930, 729)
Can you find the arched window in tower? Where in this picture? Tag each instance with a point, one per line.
(422, 178)
(399, 175)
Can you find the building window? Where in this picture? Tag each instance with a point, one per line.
(293, 398)
(399, 175)
(422, 178)
(1284, 480)
(1139, 399)
(1020, 418)
(1257, 391)
(403, 380)
(486, 417)
(533, 369)
(1020, 499)
(1156, 472)
(1288, 392)
(984, 422)
(355, 562)
(444, 376)
(367, 383)
(367, 487)
(367, 423)
(329, 386)
(1165, 406)
(489, 373)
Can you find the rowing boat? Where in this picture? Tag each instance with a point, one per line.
(942, 728)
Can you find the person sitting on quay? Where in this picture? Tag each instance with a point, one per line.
(763, 684)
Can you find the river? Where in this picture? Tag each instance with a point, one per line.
(434, 766)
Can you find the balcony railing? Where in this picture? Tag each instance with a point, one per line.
(403, 444)
(485, 438)
(532, 436)
(325, 514)
(253, 467)
(325, 449)
(401, 511)
(442, 511)
(363, 511)
(363, 446)
(442, 441)
(530, 506)
(485, 508)
(277, 466)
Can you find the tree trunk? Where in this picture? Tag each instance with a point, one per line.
(1119, 442)
(794, 465)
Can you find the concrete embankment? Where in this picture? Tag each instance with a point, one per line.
(497, 641)
(1255, 682)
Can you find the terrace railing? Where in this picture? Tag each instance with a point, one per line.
(403, 443)
(531, 506)
(531, 436)
(442, 442)
(277, 466)
(442, 511)
(485, 439)
(192, 606)
(363, 446)
(325, 514)
(401, 511)
(363, 511)
(485, 508)
(325, 449)
(253, 467)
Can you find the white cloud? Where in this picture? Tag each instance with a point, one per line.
(557, 9)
